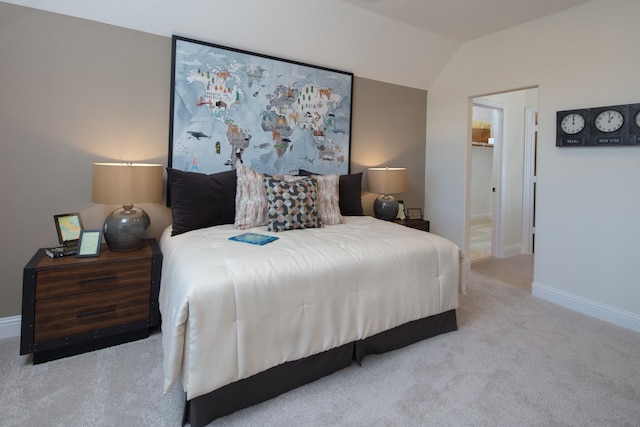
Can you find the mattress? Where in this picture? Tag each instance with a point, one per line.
(232, 309)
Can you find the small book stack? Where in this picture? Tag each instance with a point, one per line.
(60, 251)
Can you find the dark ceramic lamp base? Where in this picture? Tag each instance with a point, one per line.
(125, 229)
(385, 207)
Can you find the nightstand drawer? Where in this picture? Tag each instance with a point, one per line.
(73, 305)
(59, 317)
(91, 278)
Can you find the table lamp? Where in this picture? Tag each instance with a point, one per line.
(387, 181)
(125, 229)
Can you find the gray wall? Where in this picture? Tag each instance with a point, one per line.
(73, 92)
(389, 124)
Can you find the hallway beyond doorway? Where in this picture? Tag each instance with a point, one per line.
(480, 240)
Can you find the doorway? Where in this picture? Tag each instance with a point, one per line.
(501, 183)
(486, 142)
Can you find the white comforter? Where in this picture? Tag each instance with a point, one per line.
(231, 309)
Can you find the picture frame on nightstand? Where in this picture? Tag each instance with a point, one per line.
(414, 213)
(68, 227)
(89, 244)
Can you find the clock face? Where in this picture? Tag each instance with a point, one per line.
(638, 119)
(572, 123)
(609, 121)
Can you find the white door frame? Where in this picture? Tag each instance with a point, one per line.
(530, 130)
(497, 235)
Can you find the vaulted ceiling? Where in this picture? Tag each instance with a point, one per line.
(464, 20)
(362, 36)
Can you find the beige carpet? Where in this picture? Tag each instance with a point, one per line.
(515, 361)
(516, 270)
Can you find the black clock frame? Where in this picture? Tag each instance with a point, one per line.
(618, 137)
(564, 139)
(591, 136)
(634, 129)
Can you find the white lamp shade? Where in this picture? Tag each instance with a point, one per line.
(126, 183)
(387, 180)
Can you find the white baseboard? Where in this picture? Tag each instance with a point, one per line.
(512, 250)
(10, 327)
(585, 306)
(481, 217)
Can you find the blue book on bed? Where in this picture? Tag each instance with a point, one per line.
(254, 238)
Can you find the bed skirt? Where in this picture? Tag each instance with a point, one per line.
(266, 385)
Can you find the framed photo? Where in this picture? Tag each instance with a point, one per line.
(68, 226)
(414, 213)
(230, 106)
(89, 244)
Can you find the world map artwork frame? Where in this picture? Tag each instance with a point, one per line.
(274, 115)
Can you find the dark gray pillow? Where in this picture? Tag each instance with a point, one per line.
(351, 194)
(350, 197)
(199, 200)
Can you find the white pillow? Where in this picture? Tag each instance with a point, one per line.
(328, 198)
(251, 199)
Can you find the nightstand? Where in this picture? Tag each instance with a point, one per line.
(73, 305)
(418, 224)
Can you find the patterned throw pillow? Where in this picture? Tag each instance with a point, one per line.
(328, 199)
(291, 204)
(251, 201)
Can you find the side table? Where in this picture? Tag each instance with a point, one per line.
(418, 224)
(73, 305)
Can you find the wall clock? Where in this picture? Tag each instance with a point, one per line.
(609, 120)
(573, 123)
(634, 124)
(572, 128)
(610, 125)
(614, 125)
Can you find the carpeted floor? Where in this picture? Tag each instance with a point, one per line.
(515, 361)
(516, 270)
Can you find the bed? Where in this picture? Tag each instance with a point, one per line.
(242, 323)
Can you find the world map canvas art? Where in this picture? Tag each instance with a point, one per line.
(230, 106)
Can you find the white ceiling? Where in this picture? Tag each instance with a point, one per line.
(361, 28)
(464, 20)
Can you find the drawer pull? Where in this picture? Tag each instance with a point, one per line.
(98, 279)
(96, 313)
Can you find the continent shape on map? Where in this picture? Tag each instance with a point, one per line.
(221, 90)
(308, 108)
(239, 140)
(280, 131)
